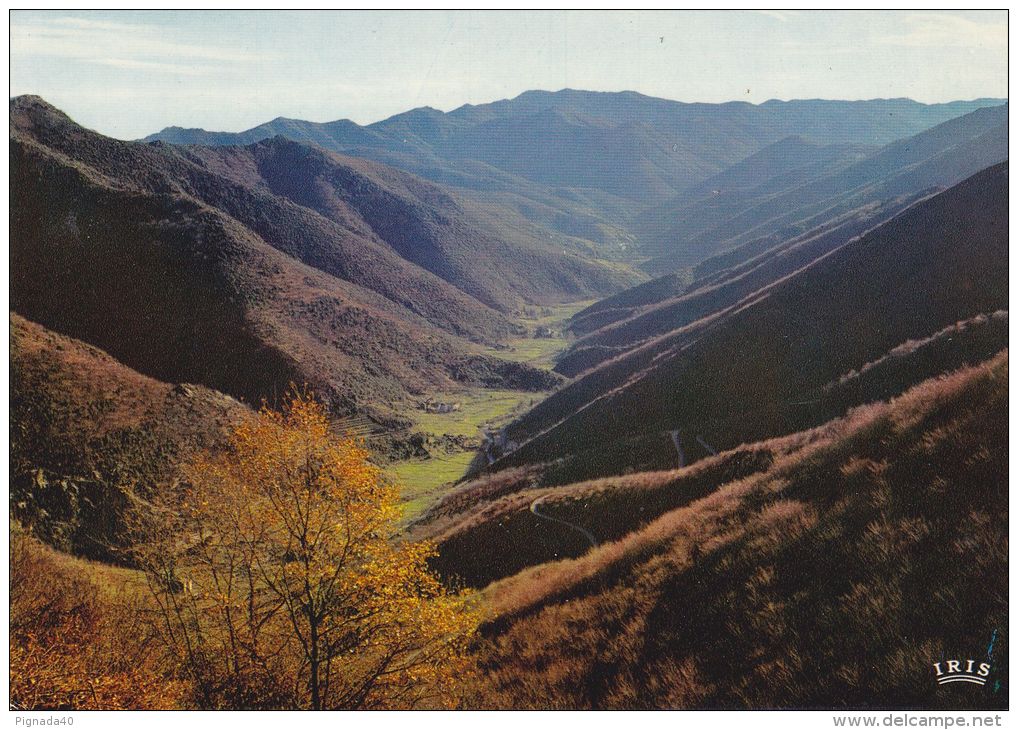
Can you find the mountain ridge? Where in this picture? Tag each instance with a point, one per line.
(791, 335)
(634, 148)
(159, 255)
(534, 94)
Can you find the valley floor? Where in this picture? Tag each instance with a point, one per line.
(453, 439)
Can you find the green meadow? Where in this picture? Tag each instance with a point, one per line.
(424, 481)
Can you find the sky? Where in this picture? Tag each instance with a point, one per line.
(130, 73)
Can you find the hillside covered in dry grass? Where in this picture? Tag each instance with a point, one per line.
(826, 569)
(89, 435)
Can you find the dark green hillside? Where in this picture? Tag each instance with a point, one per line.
(758, 369)
(609, 510)
(504, 262)
(775, 212)
(623, 329)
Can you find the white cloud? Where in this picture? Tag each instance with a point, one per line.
(136, 46)
(783, 15)
(938, 30)
(153, 66)
(89, 24)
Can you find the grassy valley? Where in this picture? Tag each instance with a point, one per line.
(451, 425)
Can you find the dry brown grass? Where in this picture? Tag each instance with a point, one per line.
(833, 578)
(88, 434)
(486, 531)
(77, 638)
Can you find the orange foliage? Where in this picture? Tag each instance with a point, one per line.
(281, 584)
(71, 646)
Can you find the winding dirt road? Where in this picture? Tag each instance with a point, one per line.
(678, 448)
(704, 444)
(588, 535)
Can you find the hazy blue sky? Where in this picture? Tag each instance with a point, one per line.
(131, 73)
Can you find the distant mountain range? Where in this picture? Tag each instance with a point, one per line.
(792, 186)
(625, 144)
(586, 163)
(755, 223)
(294, 262)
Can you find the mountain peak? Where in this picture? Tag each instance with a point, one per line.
(30, 110)
(34, 103)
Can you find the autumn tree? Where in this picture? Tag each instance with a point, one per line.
(281, 582)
